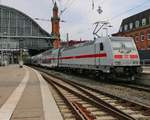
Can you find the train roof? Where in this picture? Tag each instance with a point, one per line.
(114, 38)
(100, 39)
(121, 38)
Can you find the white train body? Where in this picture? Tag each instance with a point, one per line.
(86, 56)
(110, 55)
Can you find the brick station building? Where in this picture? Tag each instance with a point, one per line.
(138, 27)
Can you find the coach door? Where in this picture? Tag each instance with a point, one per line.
(101, 52)
(99, 48)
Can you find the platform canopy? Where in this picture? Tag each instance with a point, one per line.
(18, 30)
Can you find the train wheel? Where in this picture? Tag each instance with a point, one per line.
(132, 77)
(102, 76)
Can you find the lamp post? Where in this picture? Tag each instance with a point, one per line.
(20, 51)
(2, 52)
(3, 61)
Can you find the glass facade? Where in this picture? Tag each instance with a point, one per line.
(16, 27)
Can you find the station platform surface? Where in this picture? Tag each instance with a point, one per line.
(146, 69)
(25, 95)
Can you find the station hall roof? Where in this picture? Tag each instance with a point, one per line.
(16, 25)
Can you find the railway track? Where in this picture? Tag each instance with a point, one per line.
(92, 104)
(81, 105)
(136, 87)
(132, 85)
(129, 85)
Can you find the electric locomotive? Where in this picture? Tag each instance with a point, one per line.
(115, 57)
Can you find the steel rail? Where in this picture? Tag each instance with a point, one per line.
(96, 90)
(123, 100)
(103, 93)
(80, 114)
(102, 105)
(73, 110)
(137, 87)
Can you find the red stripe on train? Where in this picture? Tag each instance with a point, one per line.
(134, 56)
(118, 56)
(92, 55)
(85, 56)
(101, 55)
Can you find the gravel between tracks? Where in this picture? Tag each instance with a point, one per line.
(123, 92)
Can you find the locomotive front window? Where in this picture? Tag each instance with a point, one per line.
(122, 44)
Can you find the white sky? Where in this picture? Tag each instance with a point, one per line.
(79, 15)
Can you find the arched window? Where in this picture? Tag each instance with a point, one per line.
(125, 27)
(137, 23)
(143, 21)
(131, 26)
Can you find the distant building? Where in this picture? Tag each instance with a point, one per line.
(71, 43)
(138, 27)
(19, 31)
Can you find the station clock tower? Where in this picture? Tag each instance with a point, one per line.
(55, 27)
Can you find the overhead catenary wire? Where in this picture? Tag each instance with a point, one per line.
(103, 1)
(68, 5)
(93, 4)
(53, 1)
(124, 12)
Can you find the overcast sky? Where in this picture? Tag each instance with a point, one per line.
(80, 14)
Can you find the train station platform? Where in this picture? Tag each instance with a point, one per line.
(25, 95)
(146, 69)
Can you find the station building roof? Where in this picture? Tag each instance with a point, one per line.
(136, 21)
(18, 30)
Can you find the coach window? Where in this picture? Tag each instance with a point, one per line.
(143, 21)
(137, 23)
(101, 46)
